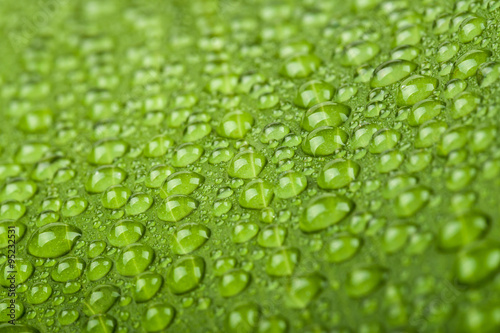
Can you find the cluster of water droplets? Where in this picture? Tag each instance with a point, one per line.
(268, 167)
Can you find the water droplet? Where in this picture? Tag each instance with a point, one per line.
(390, 161)
(477, 263)
(53, 240)
(282, 262)
(74, 206)
(464, 104)
(157, 317)
(405, 52)
(115, 196)
(196, 131)
(408, 35)
(30, 153)
(487, 74)
(176, 207)
(363, 281)
(447, 51)
(244, 231)
(186, 154)
(257, 194)
(429, 133)
(134, 259)
(100, 299)
(233, 282)
(244, 318)
(39, 293)
(424, 111)
(383, 140)
(274, 132)
(324, 141)
(223, 265)
(183, 182)
(68, 269)
(345, 93)
(471, 28)
(125, 232)
(342, 248)
(37, 121)
(462, 230)
(6, 233)
(324, 211)
(157, 175)
(453, 88)
(268, 101)
(235, 125)
(189, 238)
(224, 84)
(221, 155)
(50, 168)
(302, 290)
(290, 184)
(416, 88)
(314, 92)
(246, 165)
(391, 72)
(146, 286)
(9, 170)
(359, 53)
(411, 201)
(459, 178)
(138, 203)
(337, 174)
(104, 177)
(363, 135)
(467, 65)
(325, 114)
(100, 323)
(107, 151)
(23, 269)
(453, 139)
(186, 274)
(300, 66)
(68, 316)
(18, 190)
(99, 268)
(158, 146)
(18, 311)
(396, 237)
(272, 236)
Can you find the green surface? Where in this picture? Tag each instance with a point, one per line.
(250, 166)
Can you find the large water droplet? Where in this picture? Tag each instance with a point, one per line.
(53, 240)
(104, 177)
(325, 114)
(257, 194)
(337, 174)
(363, 281)
(157, 317)
(324, 141)
(134, 259)
(246, 165)
(176, 207)
(478, 263)
(68, 269)
(146, 285)
(186, 274)
(283, 261)
(233, 282)
(325, 210)
(189, 238)
(391, 72)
